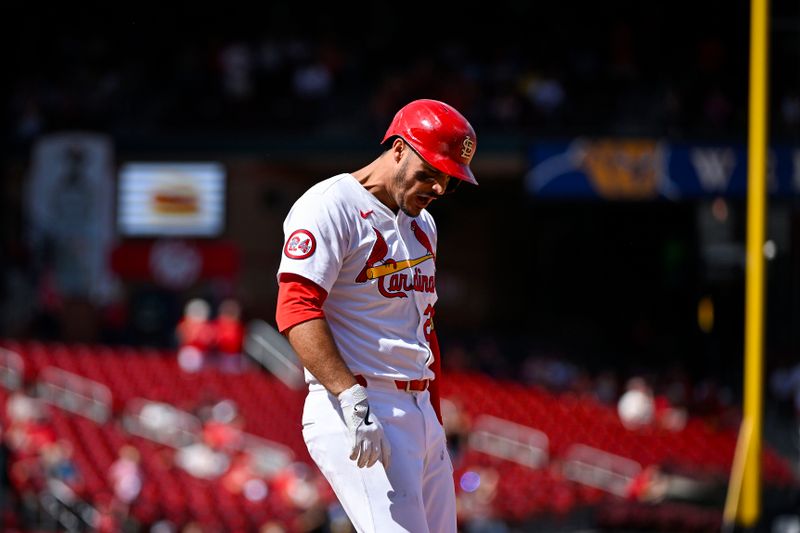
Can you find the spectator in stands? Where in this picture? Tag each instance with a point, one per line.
(668, 414)
(211, 454)
(29, 431)
(195, 335)
(201, 460)
(242, 474)
(126, 478)
(23, 405)
(229, 332)
(59, 465)
(222, 431)
(550, 371)
(30, 428)
(636, 406)
(27, 477)
(606, 387)
(299, 487)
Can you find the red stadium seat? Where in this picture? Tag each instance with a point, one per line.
(272, 411)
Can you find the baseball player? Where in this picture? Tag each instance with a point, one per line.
(356, 301)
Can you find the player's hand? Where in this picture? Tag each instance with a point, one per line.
(369, 441)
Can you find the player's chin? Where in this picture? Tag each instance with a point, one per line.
(421, 202)
(411, 209)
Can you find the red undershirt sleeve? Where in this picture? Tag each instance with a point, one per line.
(299, 300)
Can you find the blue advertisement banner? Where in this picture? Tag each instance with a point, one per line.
(648, 169)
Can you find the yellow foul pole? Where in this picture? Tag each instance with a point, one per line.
(750, 503)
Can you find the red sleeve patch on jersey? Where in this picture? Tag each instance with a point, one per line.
(299, 300)
(300, 244)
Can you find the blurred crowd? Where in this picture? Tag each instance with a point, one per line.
(635, 70)
(642, 395)
(646, 394)
(43, 488)
(203, 339)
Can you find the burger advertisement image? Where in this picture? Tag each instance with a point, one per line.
(176, 199)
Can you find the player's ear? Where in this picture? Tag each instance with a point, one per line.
(397, 147)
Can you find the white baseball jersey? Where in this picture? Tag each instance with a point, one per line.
(378, 269)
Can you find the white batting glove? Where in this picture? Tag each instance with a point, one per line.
(369, 441)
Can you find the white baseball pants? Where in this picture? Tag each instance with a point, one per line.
(417, 493)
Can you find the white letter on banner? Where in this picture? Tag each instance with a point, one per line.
(714, 167)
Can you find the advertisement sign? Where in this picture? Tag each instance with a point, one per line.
(171, 199)
(647, 169)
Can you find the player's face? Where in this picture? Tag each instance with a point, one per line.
(417, 184)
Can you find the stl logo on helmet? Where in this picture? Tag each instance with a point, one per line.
(467, 149)
(300, 244)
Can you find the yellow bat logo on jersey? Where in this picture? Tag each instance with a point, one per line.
(395, 266)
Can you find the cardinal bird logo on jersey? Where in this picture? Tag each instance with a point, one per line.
(379, 267)
(422, 238)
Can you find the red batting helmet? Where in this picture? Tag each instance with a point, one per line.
(439, 134)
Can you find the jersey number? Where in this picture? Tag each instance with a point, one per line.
(427, 326)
